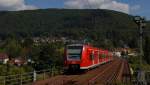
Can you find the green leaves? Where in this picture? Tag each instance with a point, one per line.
(13, 48)
(46, 54)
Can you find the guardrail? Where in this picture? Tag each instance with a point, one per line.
(146, 78)
(28, 78)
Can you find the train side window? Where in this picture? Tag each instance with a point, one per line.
(91, 56)
(103, 55)
(99, 55)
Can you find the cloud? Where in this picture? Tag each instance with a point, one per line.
(14, 5)
(101, 4)
(135, 8)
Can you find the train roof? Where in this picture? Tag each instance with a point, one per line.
(102, 50)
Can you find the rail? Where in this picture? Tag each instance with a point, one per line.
(115, 74)
(93, 80)
(118, 70)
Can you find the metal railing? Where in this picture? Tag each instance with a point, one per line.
(146, 78)
(28, 78)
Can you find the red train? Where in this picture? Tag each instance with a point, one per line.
(83, 56)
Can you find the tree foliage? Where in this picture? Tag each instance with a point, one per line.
(105, 28)
(71, 23)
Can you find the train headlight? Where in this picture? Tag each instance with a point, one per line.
(83, 48)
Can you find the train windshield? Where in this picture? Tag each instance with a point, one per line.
(74, 52)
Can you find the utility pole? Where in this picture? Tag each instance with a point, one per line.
(140, 21)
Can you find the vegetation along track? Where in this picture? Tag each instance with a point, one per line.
(109, 73)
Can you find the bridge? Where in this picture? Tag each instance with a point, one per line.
(114, 72)
(117, 71)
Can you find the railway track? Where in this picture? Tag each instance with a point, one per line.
(91, 75)
(117, 73)
(108, 76)
(108, 73)
(126, 73)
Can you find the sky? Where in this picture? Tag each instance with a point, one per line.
(134, 7)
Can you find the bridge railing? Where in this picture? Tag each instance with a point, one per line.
(145, 79)
(28, 78)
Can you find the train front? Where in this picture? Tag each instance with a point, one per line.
(72, 59)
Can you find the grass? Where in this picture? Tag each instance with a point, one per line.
(134, 63)
(1, 80)
(120, 83)
(145, 67)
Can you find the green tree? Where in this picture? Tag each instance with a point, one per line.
(13, 48)
(47, 54)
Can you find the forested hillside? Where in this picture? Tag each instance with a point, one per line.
(98, 25)
(105, 28)
(74, 24)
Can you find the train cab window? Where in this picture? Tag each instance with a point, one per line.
(74, 52)
(75, 47)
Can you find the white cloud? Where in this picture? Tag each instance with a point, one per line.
(14, 5)
(101, 4)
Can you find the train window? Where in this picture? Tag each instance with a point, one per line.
(74, 55)
(75, 47)
(74, 52)
(100, 55)
(92, 56)
(103, 55)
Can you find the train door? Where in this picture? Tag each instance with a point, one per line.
(93, 57)
(96, 57)
(103, 57)
(100, 56)
(107, 56)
